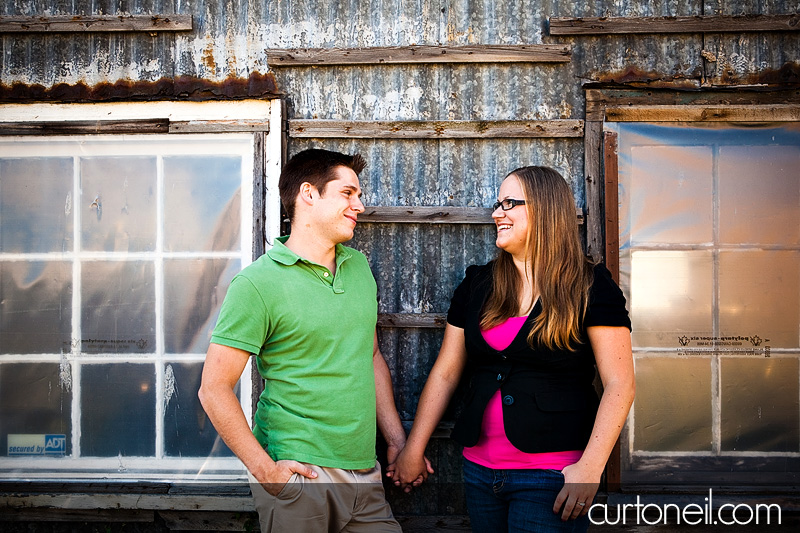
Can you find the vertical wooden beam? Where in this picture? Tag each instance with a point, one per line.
(259, 233)
(592, 143)
(285, 225)
(611, 175)
(259, 237)
(611, 190)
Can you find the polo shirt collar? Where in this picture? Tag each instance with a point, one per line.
(283, 255)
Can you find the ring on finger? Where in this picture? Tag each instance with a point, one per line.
(582, 504)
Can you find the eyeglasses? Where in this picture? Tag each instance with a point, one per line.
(508, 203)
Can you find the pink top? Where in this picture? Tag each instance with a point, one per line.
(494, 450)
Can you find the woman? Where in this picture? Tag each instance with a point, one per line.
(527, 331)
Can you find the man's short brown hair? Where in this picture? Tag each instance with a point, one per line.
(315, 166)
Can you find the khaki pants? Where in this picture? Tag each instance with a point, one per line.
(335, 501)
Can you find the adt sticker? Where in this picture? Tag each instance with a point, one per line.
(55, 445)
(41, 445)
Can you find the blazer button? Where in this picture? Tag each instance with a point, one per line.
(499, 377)
(508, 399)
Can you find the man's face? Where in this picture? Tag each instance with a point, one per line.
(338, 206)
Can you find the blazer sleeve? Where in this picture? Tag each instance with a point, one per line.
(457, 314)
(606, 302)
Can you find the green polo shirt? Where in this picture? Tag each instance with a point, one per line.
(313, 333)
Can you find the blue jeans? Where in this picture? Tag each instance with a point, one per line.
(515, 500)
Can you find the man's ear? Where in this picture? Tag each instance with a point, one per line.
(307, 193)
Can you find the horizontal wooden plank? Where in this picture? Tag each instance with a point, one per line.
(597, 100)
(443, 429)
(432, 215)
(155, 502)
(190, 520)
(690, 113)
(87, 127)
(132, 126)
(692, 24)
(427, 214)
(38, 514)
(95, 23)
(439, 523)
(218, 126)
(412, 320)
(73, 487)
(442, 129)
(529, 53)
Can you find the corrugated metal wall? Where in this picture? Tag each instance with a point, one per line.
(416, 265)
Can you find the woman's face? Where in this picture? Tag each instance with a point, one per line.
(512, 225)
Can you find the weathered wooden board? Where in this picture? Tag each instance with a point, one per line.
(695, 24)
(529, 53)
(422, 129)
(691, 113)
(85, 127)
(95, 23)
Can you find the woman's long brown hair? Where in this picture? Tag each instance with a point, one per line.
(561, 271)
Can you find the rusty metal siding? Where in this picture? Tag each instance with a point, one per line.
(751, 58)
(417, 266)
(231, 39)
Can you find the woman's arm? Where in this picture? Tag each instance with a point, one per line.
(612, 350)
(439, 388)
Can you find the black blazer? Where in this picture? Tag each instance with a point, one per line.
(549, 402)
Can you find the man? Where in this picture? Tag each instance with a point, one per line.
(308, 309)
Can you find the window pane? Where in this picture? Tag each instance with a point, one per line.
(36, 193)
(202, 197)
(759, 295)
(188, 430)
(760, 410)
(673, 404)
(35, 398)
(118, 403)
(670, 296)
(670, 199)
(118, 202)
(35, 307)
(193, 292)
(759, 195)
(115, 255)
(118, 314)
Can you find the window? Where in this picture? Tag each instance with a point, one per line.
(709, 232)
(115, 255)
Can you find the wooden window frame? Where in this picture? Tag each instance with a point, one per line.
(73, 496)
(602, 218)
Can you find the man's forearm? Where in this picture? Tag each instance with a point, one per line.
(389, 422)
(225, 413)
(222, 369)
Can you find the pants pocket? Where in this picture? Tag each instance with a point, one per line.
(291, 489)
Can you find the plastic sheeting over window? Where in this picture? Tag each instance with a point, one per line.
(115, 254)
(710, 262)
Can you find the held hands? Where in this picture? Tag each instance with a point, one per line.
(278, 476)
(580, 487)
(409, 469)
